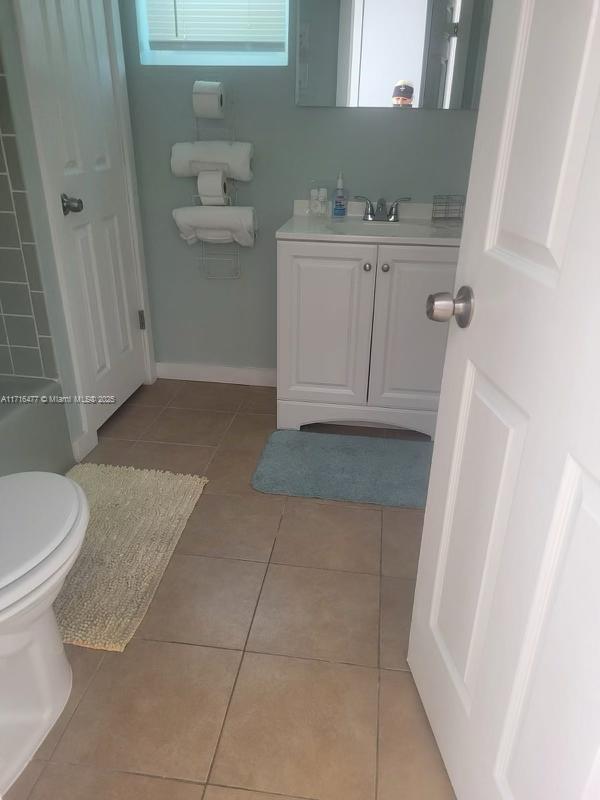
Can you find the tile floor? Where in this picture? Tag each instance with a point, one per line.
(272, 661)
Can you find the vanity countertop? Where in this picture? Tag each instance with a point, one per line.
(309, 228)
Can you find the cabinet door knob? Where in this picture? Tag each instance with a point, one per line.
(385, 267)
(367, 267)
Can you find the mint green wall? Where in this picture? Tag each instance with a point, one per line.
(382, 152)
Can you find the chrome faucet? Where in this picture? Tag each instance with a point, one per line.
(381, 210)
(381, 213)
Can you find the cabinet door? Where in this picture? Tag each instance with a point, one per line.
(324, 318)
(408, 349)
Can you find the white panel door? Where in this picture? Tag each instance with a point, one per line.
(325, 312)
(69, 52)
(505, 639)
(408, 351)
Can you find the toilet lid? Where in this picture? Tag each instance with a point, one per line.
(37, 511)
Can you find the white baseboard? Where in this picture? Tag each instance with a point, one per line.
(217, 373)
(84, 444)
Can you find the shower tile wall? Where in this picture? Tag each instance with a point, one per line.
(25, 342)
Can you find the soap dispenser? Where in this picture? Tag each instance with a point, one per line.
(340, 204)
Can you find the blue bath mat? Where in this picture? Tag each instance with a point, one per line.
(362, 469)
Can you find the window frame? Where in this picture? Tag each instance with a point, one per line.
(150, 56)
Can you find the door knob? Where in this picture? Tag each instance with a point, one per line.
(385, 267)
(367, 267)
(74, 204)
(442, 306)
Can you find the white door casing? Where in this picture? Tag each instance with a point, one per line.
(325, 308)
(75, 79)
(407, 352)
(504, 642)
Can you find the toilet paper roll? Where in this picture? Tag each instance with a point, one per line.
(208, 99)
(212, 188)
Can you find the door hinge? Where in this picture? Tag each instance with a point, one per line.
(452, 29)
(142, 319)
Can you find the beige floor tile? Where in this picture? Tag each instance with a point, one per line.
(260, 400)
(314, 613)
(206, 601)
(84, 663)
(409, 761)
(159, 393)
(111, 451)
(69, 782)
(188, 426)
(249, 432)
(189, 459)
(23, 786)
(225, 793)
(302, 728)
(231, 471)
(129, 422)
(157, 708)
(397, 596)
(209, 396)
(232, 526)
(329, 536)
(401, 541)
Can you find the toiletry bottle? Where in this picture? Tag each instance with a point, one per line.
(314, 204)
(340, 206)
(323, 201)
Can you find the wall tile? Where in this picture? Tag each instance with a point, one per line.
(33, 267)
(9, 235)
(39, 312)
(13, 163)
(5, 198)
(5, 362)
(6, 122)
(48, 360)
(15, 299)
(27, 361)
(24, 329)
(23, 218)
(12, 267)
(21, 331)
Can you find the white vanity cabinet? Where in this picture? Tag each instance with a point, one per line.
(354, 344)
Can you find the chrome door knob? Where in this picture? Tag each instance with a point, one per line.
(442, 306)
(385, 267)
(70, 204)
(367, 267)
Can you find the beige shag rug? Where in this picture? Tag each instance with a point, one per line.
(136, 519)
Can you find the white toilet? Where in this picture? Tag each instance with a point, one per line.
(43, 518)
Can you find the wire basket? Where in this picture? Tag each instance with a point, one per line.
(448, 206)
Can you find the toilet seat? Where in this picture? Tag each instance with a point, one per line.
(43, 518)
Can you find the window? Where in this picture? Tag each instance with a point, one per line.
(213, 32)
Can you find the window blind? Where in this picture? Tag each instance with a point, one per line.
(217, 24)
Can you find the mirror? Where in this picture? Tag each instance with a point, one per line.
(381, 53)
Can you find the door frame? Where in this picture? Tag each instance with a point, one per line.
(83, 437)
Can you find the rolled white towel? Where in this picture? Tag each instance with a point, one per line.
(234, 158)
(216, 225)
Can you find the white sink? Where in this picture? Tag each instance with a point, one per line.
(406, 231)
(406, 227)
